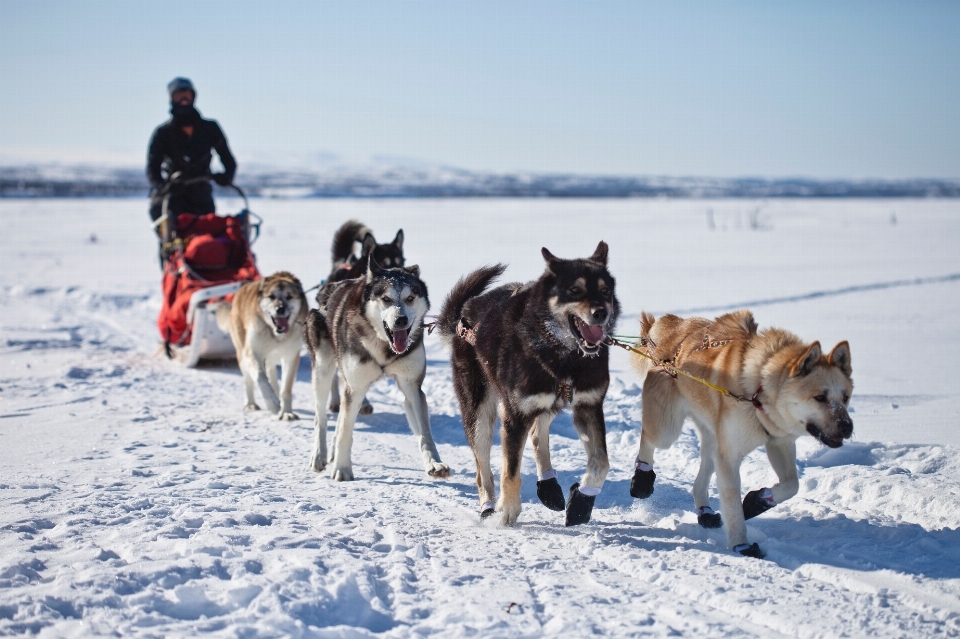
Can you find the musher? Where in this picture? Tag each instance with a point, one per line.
(183, 144)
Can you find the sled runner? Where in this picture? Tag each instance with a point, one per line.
(205, 259)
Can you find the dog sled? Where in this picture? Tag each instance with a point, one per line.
(205, 258)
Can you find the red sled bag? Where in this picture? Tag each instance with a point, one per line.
(209, 250)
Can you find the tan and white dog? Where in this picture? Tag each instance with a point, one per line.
(795, 388)
(266, 323)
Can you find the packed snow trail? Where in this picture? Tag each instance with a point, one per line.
(138, 499)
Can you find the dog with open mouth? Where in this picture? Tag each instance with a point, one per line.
(791, 387)
(265, 322)
(527, 351)
(370, 327)
(351, 236)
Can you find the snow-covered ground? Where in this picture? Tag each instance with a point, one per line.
(136, 498)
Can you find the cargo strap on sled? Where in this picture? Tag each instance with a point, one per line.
(674, 370)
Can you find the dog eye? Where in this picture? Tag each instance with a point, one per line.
(822, 398)
(605, 291)
(575, 291)
(846, 398)
(410, 299)
(386, 298)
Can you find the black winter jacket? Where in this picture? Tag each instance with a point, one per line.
(172, 150)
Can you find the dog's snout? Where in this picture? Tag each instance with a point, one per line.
(401, 321)
(600, 314)
(846, 426)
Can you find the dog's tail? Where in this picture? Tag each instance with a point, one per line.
(467, 287)
(351, 231)
(640, 363)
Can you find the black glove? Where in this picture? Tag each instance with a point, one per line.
(222, 179)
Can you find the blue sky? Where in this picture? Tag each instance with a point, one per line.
(817, 89)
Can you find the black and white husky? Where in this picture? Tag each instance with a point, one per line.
(372, 326)
(527, 351)
(346, 266)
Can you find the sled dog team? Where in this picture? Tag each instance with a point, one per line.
(522, 352)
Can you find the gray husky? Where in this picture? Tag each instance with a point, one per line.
(372, 326)
(527, 351)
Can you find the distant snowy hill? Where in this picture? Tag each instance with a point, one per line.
(385, 178)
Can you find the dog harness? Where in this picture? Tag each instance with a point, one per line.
(672, 367)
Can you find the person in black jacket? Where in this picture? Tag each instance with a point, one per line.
(183, 144)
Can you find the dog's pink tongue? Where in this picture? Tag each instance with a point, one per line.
(283, 323)
(400, 340)
(593, 334)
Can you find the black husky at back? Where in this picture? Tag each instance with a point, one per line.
(346, 265)
(533, 348)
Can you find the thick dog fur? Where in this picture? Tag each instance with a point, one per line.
(530, 353)
(371, 327)
(801, 391)
(266, 323)
(346, 265)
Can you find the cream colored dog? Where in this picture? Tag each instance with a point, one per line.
(266, 323)
(795, 389)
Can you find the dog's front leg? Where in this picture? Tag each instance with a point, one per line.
(323, 373)
(248, 369)
(357, 381)
(513, 437)
(549, 491)
(290, 364)
(418, 417)
(266, 388)
(588, 420)
(782, 453)
(728, 485)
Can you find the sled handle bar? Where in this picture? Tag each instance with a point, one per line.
(176, 181)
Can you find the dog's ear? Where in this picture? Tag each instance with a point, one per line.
(373, 269)
(398, 240)
(600, 255)
(840, 357)
(368, 244)
(415, 269)
(804, 365)
(550, 258)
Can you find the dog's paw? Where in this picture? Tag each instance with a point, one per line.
(550, 494)
(438, 470)
(507, 520)
(750, 550)
(486, 513)
(317, 464)
(287, 416)
(342, 474)
(641, 486)
(710, 520)
(579, 508)
(249, 408)
(757, 502)
(366, 408)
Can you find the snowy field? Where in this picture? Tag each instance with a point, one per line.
(137, 499)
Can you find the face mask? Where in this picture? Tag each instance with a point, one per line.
(184, 114)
